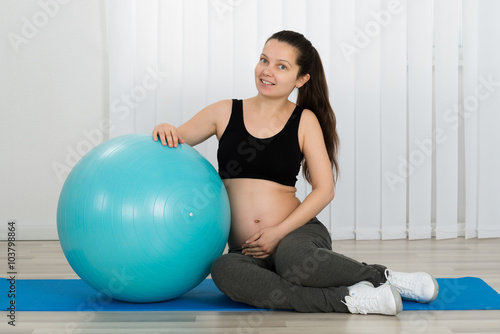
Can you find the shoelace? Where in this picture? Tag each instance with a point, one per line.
(406, 287)
(371, 304)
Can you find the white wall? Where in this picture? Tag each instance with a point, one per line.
(54, 93)
(53, 96)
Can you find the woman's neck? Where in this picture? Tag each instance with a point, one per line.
(271, 106)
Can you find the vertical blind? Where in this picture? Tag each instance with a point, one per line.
(413, 83)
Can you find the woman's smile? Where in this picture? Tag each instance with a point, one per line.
(265, 82)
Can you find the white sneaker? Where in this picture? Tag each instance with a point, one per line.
(420, 287)
(365, 299)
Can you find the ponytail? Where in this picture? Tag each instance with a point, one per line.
(314, 94)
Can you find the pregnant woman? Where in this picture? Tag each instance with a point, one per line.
(280, 256)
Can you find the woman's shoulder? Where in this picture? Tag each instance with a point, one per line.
(219, 108)
(220, 113)
(308, 117)
(308, 122)
(221, 104)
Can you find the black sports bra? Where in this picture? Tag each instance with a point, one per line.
(277, 158)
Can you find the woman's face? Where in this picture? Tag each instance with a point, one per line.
(276, 72)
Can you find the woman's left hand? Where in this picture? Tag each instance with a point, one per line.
(263, 243)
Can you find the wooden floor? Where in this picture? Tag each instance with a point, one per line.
(445, 258)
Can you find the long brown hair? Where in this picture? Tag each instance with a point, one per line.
(314, 94)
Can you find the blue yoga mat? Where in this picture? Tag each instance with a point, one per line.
(467, 293)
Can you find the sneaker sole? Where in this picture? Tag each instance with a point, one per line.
(436, 292)
(436, 289)
(397, 299)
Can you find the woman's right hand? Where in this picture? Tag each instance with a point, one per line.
(168, 135)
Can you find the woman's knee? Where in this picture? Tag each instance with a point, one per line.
(291, 256)
(231, 273)
(221, 268)
(299, 262)
(229, 269)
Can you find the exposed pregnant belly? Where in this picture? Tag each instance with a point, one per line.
(257, 204)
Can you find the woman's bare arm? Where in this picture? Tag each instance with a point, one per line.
(199, 128)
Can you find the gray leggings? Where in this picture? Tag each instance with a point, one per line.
(303, 274)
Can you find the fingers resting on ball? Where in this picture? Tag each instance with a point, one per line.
(167, 134)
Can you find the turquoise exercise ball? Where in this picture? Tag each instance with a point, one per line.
(142, 222)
